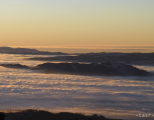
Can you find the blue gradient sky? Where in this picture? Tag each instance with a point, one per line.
(76, 22)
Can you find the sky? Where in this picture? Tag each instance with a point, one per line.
(76, 22)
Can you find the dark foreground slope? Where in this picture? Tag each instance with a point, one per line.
(2, 116)
(44, 115)
(101, 69)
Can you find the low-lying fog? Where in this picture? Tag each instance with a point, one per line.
(114, 97)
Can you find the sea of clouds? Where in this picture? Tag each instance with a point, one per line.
(117, 97)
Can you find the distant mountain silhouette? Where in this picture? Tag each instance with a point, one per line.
(127, 58)
(15, 66)
(107, 68)
(101, 69)
(9, 50)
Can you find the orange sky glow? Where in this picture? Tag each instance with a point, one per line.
(69, 23)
